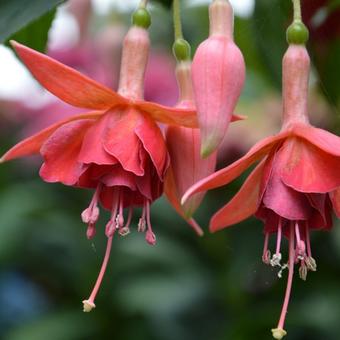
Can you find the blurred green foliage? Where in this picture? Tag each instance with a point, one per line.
(184, 288)
(31, 20)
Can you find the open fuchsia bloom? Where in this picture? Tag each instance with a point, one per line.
(295, 186)
(218, 73)
(187, 167)
(117, 149)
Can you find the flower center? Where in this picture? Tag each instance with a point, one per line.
(116, 223)
(299, 252)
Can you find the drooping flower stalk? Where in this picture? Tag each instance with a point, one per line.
(296, 185)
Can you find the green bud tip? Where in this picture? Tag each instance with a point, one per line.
(297, 33)
(141, 18)
(181, 50)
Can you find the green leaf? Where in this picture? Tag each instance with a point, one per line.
(15, 14)
(35, 35)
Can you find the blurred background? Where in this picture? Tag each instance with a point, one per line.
(184, 288)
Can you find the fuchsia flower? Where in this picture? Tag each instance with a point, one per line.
(117, 149)
(294, 188)
(187, 167)
(218, 73)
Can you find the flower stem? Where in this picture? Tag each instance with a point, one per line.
(177, 19)
(297, 10)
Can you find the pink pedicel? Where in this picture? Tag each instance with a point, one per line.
(218, 73)
(187, 167)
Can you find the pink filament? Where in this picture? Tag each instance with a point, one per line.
(102, 270)
(279, 236)
(265, 258)
(309, 248)
(290, 278)
(127, 225)
(196, 227)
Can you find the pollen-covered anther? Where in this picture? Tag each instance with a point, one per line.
(276, 260)
(88, 306)
(310, 263)
(141, 225)
(124, 231)
(90, 214)
(91, 231)
(303, 271)
(110, 228)
(150, 237)
(278, 333)
(283, 267)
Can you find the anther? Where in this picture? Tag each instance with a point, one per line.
(124, 231)
(303, 270)
(310, 263)
(276, 260)
(141, 225)
(91, 231)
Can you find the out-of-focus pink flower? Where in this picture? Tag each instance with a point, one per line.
(187, 167)
(160, 81)
(218, 73)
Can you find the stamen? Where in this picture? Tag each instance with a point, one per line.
(150, 237)
(91, 214)
(310, 263)
(120, 216)
(91, 231)
(111, 225)
(196, 227)
(300, 245)
(279, 332)
(266, 251)
(142, 222)
(89, 304)
(309, 249)
(276, 259)
(303, 270)
(126, 230)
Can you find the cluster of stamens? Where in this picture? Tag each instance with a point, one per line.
(116, 223)
(299, 252)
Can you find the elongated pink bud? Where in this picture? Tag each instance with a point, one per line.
(134, 59)
(295, 76)
(187, 167)
(218, 73)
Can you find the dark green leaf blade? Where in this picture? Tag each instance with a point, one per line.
(16, 14)
(35, 34)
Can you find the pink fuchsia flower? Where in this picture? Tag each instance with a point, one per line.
(218, 73)
(294, 188)
(116, 149)
(183, 144)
